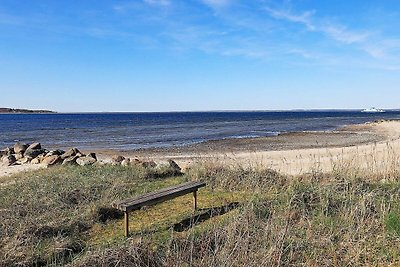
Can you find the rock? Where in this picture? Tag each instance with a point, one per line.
(85, 161)
(10, 151)
(9, 160)
(126, 162)
(136, 161)
(33, 153)
(99, 163)
(92, 155)
(70, 153)
(35, 160)
(18, 156)
(52, 160)
(35, 146)
(117, 159)
(149, 164)
(57, 152)
(173, 165)
(25, 160)
(3, 153)
(175, 169)
(19, 148)
(70, 161)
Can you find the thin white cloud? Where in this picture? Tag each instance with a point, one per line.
(336, 32)
(158, 2)
(304, 18)
(384, 48)
(341, 34)
(248, 33)
(216, 4)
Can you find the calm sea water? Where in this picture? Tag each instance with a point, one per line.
(144, 130)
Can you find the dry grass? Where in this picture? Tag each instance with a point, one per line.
(61, 216)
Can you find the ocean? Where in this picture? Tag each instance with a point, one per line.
(129, 131)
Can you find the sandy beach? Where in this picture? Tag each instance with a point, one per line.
(291, 153)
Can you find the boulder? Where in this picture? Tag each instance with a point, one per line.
(9, 160)
(18, 156)
(35, 146)
(149, 164)
(174, 168)
(100, 163)
(52, 160)
(92, 155)
(117, 159)
(136, 161)
(19, 148)
(57, 152)
(126, 162)
(35, 160)
(85, 161)
(70, 161)
(25, 160)
(70, 153)
(33, 153)
(10, 151)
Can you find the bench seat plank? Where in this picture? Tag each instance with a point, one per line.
(122, 202)
(158, 196)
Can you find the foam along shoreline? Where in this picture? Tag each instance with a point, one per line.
(291, 153)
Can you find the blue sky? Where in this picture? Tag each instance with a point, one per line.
(171, 55)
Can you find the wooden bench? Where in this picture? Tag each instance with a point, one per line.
(152, 198)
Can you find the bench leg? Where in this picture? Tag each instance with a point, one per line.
(126, 223)
(195, 200)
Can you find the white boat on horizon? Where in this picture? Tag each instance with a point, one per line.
(373, 110)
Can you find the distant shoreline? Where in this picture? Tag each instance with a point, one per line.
(24, 111)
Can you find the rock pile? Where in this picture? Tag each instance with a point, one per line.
(34, 153)
(22, 153)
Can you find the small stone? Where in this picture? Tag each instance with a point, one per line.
(126, 162)
(19, 148)
(136, 161)
(52, 160)
(117, 159)
(85, 161)
(99, 163)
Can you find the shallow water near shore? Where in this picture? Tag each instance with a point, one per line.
(150, 130)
